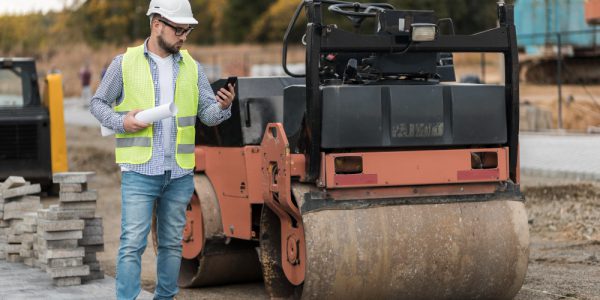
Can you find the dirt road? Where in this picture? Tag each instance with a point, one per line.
(564, 224)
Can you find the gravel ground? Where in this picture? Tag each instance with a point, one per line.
(564, 225)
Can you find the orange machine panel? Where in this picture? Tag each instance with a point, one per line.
(592, 12)
(226, 169)
(417, 168)
(253, 157)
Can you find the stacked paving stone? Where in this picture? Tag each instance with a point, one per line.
(75, 197)
(28, 229)
(3, 230)
(57, 248)
(16, 203)
(93, 242)
(81, 234)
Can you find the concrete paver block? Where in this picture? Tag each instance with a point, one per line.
(94, 275)
(27, 237)
(87, 205)
(21, 191)
(14, 258)
(44, 256)
(61, 235)
(72, 177)
(66, 281)
(22, 203)
(27, 228)
(59, 244)
(65, 262)
(94, 248)
(91, 240)
(93, 230)
(30, 261)
(73, 187)
(91, 195)
(12, 248)
(12, 182)
(97, 221)
(26, 253)
(14, 239)
(57, 214)
(68, 272)
(94, 266)
(89, 257)
(27, 245)
(30, 218)
(60, 225)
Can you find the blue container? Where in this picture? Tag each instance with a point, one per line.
(538, 21)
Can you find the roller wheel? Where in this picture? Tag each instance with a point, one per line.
(276, 284)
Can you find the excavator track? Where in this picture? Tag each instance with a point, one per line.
(575, 70)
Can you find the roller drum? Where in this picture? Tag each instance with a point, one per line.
(468, 250)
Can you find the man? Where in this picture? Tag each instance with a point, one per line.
(85, 76)
(156, 159)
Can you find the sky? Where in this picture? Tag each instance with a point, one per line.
(27, 6)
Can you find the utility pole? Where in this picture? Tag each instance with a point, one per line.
(559, 78)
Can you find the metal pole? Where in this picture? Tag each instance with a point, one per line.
(246, 63)
(559, 79)
(482, 67)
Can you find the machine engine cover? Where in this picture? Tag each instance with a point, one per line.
(413, 115)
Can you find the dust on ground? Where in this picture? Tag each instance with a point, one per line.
(564, 260)
(564, 225)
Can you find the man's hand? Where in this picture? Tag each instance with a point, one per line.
(225, 96)
(131, 124)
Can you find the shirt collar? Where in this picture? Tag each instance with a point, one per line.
(177, 56)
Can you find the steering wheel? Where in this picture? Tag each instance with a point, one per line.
(357, 12)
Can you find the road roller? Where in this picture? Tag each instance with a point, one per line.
(371, 175)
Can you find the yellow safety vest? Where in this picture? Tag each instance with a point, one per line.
(138, 92)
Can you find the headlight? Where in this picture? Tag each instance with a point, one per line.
(423, 32)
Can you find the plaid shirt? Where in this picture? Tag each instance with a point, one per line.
(111, 90)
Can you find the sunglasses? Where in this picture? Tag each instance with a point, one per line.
(178, 30)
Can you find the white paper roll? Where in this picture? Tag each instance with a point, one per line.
(149, 116)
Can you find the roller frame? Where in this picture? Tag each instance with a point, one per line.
(276, 171)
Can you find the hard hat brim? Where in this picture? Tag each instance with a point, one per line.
(182, 21)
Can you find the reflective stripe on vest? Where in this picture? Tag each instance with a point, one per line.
(134, 142)
(185, 148)
(187, 121)
(138, 93)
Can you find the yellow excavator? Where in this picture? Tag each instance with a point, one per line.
(32, 129)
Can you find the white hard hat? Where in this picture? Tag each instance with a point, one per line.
(176, 11)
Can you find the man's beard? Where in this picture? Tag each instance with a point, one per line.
(172, 49)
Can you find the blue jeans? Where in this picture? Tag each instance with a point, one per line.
(138, 194)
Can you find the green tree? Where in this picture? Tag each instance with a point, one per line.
(97, 22)
(240, 15)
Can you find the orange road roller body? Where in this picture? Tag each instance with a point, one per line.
(374, 175)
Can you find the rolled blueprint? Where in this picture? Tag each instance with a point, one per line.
(149, 116)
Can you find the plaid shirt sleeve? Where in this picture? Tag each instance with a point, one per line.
(209, 111)
(109, 91)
